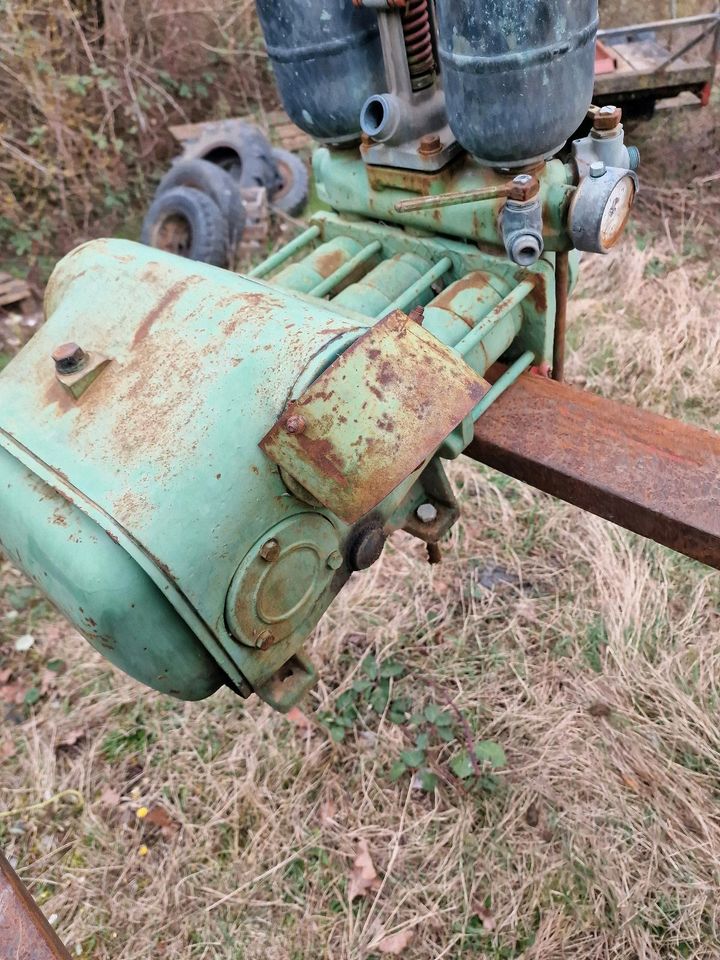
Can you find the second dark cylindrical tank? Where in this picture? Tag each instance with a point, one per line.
(518, 74)
(327, 59)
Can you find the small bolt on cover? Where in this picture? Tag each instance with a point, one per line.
(426, 513)
(597, 169)
(295, 424)
(430, 144)
(270, 551)
(69, 358)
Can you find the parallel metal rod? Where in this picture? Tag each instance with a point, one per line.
(453, 199)
(346, 270)
(419, 287)
(562, 284)
(686, 48)
(24, 932)
(696, 21)
(277, 259)
(654, 476)
(503, 383)
(512, 300)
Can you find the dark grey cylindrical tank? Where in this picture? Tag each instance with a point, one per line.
(327, 59)
(518, 74)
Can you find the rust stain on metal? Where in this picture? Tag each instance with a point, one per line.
(25, 934)
(327, 263)
(171, 295)
(657, 477)
(351, 456)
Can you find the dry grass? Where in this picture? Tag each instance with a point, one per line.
(595, 663)
(87, 91)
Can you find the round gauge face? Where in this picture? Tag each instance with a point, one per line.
(616, 213)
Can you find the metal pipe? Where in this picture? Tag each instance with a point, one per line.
(512, 300)
(419, 287)
(346, 270)
(453, 199)
(562, 285)
(627, 465)
(503, 383)
(686, 48)
(278, 258)
(616, 33)
(24, 932)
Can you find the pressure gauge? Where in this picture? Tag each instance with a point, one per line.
(600, 209)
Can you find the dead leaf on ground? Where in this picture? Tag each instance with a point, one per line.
(363, 876)
(396, 943)
(487, 916)
(158, 816)
(5, 676)
(110, 797)
(7, 749)
(327, 812)
(13, 693)
(298, 718)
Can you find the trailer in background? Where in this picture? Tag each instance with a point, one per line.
(665, 63)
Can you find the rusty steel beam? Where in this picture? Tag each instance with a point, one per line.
(657, 477)
(25, 934)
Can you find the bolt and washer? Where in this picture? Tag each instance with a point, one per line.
(295, 424)
(426, 513)
(270, 551)
(430, 144)
(597, 169)
(69, 358)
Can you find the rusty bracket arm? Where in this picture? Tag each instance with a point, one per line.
(656, 477)
(25, 934)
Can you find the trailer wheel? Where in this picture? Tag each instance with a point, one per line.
(216, 183)
(294, 190)
(187, 222)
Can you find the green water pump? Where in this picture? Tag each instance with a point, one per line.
(193, 463)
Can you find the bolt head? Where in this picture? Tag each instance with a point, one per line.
(426, 513)
(270, 551)
(597, 169)
(522, 179)
(68, 357)
(264, 640)
(607, 118)
(295, 424)
(430, 144)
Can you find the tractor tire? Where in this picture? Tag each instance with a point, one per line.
(292, 196)
(216, 183)
(187, 222)
(242, 150)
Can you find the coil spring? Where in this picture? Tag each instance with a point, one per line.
(417, 29)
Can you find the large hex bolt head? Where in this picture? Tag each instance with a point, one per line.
(69, 358)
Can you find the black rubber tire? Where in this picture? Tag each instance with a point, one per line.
(216, 183)
(188, 223)
(242, 150)
(292, 195)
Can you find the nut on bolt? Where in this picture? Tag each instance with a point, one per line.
(426, 513)
(607, 118)
(524, 187)
(430, 144)
(69, 358)
(270, 551)
(295, 424)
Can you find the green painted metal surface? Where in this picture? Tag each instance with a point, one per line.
(168, 508)
(346, 183)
